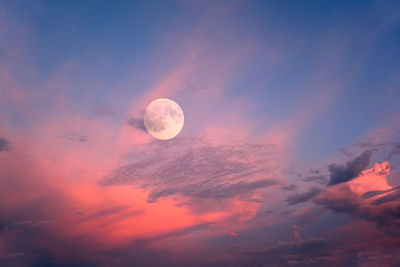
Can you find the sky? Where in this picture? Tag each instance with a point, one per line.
(289, 154)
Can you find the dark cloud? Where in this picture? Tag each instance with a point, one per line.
(290, 187)
(218, 191)
(321, 179)
(313, 171)
(137, 123)
(301, 197)
(352, 168)
(374, 193)
(389, 197)
(192, 167)
(343, 200)
(29, 224)
(4, 144)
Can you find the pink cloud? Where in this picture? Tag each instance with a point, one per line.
(367, 196)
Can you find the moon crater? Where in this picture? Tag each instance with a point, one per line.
(163, 119)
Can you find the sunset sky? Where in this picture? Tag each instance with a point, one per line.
(289, 154)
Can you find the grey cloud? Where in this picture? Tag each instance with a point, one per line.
(374, 193)
(290, 187)
(370, 194)
(218, 191)
(137, 123)
(313, 171)
(4, 144)
(385, 216)
(321, 179)
(341, 174)
(389, 197)
(302, 197)
(192, 167)
(21, 225)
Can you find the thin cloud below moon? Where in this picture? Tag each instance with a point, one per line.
(192, 167)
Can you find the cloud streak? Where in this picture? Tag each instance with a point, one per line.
(302, 197)
(192, 167)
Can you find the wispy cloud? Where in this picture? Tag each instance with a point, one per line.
(192, 167)
(302, 197)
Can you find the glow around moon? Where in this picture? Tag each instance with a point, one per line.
(163, 119)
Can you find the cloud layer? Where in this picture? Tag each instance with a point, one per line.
(191, 167)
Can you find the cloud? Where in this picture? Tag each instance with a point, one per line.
(389, 197)
(194, 168)
(4, 144)
(362, 198)
(311, 252)
(290, 187)
(321, 179)
(301, 197)
(137, 123)
(343, 201)
(377, 192)
(216, 192)
(341, 174)
(394, 151)
(382, 139)
(118, 212)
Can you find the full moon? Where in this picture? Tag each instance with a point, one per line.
(163, 118)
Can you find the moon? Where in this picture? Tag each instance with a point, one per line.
(163, 118)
